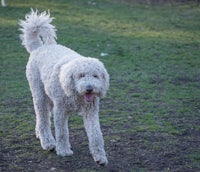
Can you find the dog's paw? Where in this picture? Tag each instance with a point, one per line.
(67, 152)
(48, 144)
(100, 159)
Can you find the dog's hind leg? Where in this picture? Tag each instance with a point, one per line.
(42, 106)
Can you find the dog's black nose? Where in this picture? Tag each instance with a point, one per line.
(89, 89)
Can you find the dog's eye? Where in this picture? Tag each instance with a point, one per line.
(95, 76)
(82, 75)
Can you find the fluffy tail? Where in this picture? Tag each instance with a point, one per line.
(37, 30)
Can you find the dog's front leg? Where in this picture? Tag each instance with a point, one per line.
(96, 142)
(62, 132)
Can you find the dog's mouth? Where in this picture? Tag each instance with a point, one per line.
(89, 97)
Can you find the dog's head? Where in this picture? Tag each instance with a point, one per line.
(86, 77)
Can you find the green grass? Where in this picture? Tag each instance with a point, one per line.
(153, 104)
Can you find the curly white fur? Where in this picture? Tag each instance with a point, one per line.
(63, 82)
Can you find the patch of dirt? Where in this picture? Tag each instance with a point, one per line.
(143, 150)
(147, 151)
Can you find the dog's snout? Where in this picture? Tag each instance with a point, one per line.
(89, 89)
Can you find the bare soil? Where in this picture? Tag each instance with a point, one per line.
(141, 151)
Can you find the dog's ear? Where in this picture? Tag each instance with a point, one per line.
(66, 80)
(105, 77)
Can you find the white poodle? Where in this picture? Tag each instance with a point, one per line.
(63, 82)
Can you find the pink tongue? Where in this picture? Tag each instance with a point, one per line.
(89, 97)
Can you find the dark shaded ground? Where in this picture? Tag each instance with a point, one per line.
(141, 151)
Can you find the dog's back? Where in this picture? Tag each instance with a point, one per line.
(39, 38)
(48, 59)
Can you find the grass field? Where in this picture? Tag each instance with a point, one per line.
(150, 118)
